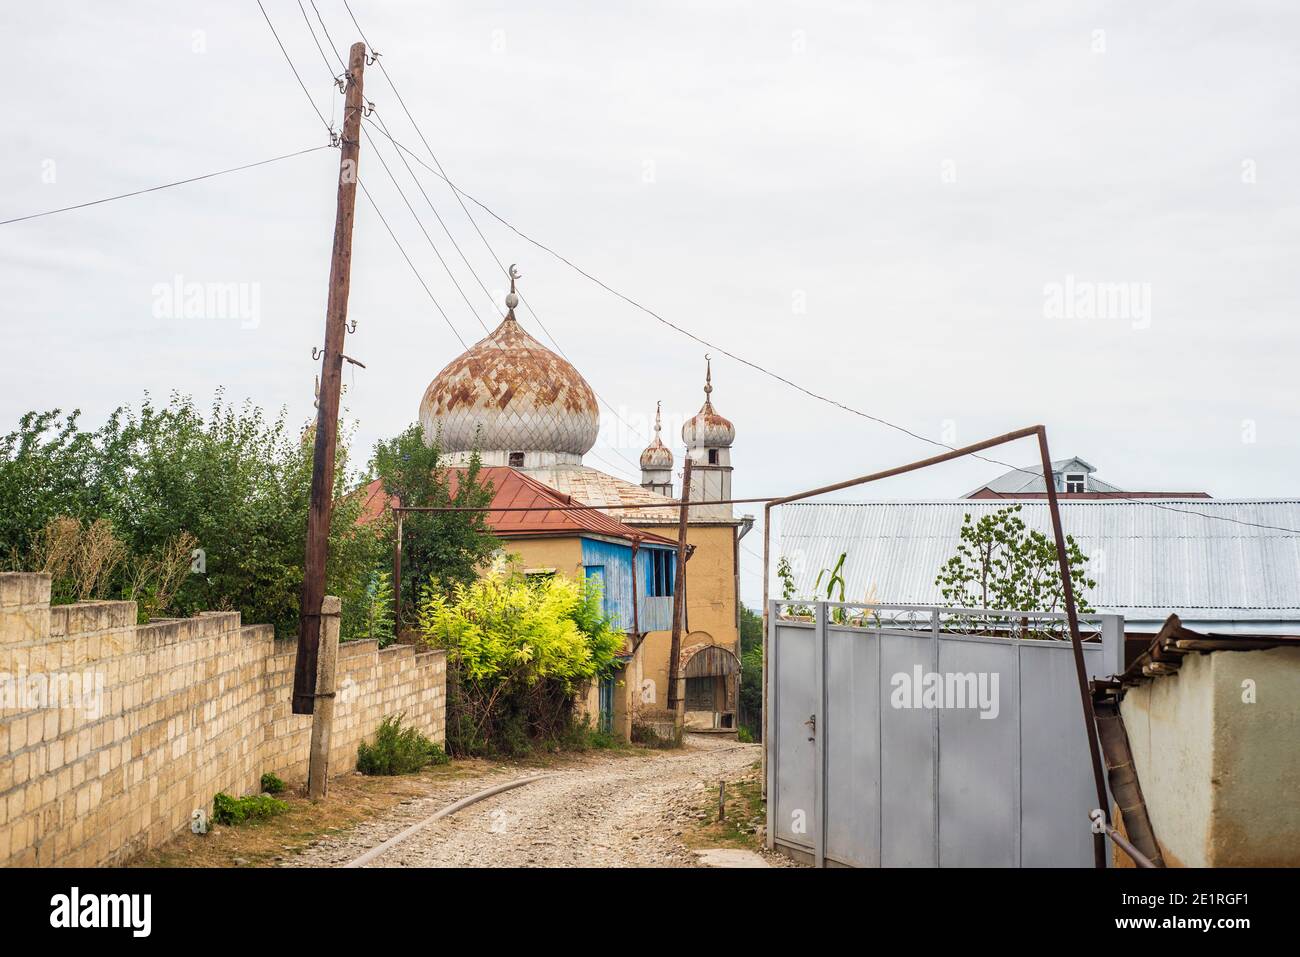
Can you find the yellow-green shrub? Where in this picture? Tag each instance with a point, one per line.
(519, 650)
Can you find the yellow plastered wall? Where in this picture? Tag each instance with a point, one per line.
(710, 609)
(534, 554)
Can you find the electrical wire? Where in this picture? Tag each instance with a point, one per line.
(418, 277)
(501, 265)
(686, 332)
(794, 385)
(154, 189)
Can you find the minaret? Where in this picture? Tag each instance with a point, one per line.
(657, 463)
(708, 437)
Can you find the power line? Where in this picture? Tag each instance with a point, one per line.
(411, 209)
(289, 60)
(679, 329)
(154, 189)
(418, 277)
(782, 379)
(419, 132)
(418, 222)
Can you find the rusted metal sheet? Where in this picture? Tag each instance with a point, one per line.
(508, 391)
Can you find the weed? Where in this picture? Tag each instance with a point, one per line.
(230, 810)
(398, 750)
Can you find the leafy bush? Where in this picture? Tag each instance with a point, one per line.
(744, 735)
(118, 510)
(519, 651)
(580, 735)
(750, 698)
(271, 784)
(162, 477)
(230, 810)
(398, 750)
(377, 620)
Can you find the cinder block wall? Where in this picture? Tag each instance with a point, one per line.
(180, 709)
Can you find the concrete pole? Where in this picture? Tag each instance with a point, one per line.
(322, 719)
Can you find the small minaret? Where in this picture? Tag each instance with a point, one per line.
(708, 437)
(657, 463)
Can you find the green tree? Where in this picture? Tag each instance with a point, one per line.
(1001, 563)
(751, 671)
(234, 480)
(446, 548)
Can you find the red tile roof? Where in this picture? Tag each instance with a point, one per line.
(514, 489)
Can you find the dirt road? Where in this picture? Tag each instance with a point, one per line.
(600, 810)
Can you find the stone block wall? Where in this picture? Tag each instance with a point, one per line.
(113, 733)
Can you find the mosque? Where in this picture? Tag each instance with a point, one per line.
(531, 417)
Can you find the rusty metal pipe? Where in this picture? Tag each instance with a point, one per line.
(1076, 646)
(1140, 859)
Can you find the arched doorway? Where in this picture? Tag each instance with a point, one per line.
(711, 675)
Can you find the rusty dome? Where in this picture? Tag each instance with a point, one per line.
(708, 429)
(657, 456)
(510, 393)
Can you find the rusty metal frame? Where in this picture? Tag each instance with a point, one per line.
(1067, 586)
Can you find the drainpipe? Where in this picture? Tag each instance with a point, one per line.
(1124, 783)
(636, 602)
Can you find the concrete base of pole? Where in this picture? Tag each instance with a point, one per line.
(322, 720)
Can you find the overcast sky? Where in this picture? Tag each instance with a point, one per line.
(907, 207)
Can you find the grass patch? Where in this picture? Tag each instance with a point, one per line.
(742, 825)
(351, 799)
(255, 807)
(398, 750)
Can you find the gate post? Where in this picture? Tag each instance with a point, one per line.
(819, 737)
(770, 722)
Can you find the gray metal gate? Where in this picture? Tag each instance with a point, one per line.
(892, 743)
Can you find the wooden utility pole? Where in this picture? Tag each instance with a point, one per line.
(327, 416)
(679, 593)
(397, 569)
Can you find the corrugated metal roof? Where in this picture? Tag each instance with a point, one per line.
(1148, 561)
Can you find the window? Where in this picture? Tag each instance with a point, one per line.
(661, 573)
(1076, 481)
(713, 456)
(516, 460)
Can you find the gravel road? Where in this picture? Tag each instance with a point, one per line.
(600, 809)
